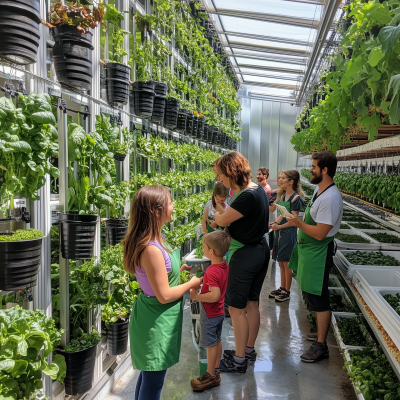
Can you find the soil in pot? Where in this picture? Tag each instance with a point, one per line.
(77, 234)
(19, 29)
(117, 337)
(143, 98)
(116, 230)
(19, 264)
(80, 370)
(117, 83)
(171, 113)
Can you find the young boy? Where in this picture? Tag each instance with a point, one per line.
(212, 314)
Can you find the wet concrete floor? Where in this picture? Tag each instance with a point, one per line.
(278, 373)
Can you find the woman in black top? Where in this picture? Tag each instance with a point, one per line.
(247, 221)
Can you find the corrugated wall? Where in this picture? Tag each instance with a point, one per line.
(266, 131)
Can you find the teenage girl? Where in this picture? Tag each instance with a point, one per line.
(217, 203)
(291, 196)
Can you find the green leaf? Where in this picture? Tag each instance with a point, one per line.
(375, 56)
(59, 360)
(20, 146)
(44, 117)
(394, 113)
(357, 90)
(51, 370)
(388, 36)
(19, 368)
(7, 365)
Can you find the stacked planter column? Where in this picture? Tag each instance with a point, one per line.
(159, 101)
(117, 83)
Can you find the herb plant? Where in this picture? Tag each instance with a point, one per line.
(22, 234)
(360, 225)
(351, 331)
(371, 258)
(339, 305)
(351, 238)
(85, 341)
(385, 238)
(185, 276)
(181, 233)
(199, 248)
(394, 301)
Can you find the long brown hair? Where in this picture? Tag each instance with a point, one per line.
(219, 190)
(148, 204)
(236, 167)
(292, 175)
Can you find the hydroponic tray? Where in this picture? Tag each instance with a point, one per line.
(374, 224)
(346, 355)
(384, 246)
(372, 245)
(345, 299)
(335, 280)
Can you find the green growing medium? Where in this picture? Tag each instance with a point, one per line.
(385, 238)
(394, 301)
(351, 238)
(351, 332)
(338, 305)
(22, 234)
(371, 372)
(371, 258)
(85, 341)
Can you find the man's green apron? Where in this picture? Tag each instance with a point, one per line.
(309, 257)
(235, 245)
(155, 329)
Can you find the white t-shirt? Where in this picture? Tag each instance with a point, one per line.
(328, 209)
(210, 210)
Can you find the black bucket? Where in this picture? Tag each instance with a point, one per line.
(80, 370)
(143, 98)
(19, 30)
(77, 234)
(200, 128)
(19, 264)
(171, 113)
(182, 119)
(195, 127)
(206, 130)
(117, 83)
(117, 337)
(189, 124)
(119, 157)
(116, 230)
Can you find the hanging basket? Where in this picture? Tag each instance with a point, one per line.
(77, 234)
(80, 370)
(182, 120)
(19, 264)
(195, 127)
(189, 124)
(117, 82)
(200, 128)
(171, 113)
(117, 337)
(19, 30)
(116, 230)
(72, 56)
(143, 98)
(206, 132)
(159, 101)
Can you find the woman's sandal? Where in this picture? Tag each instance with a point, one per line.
(277, 292)
(283, 296)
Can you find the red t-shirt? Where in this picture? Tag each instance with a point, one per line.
(216, 276)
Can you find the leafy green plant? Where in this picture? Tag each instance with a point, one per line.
(192, 206)
(351, 332)
(385, 237)
(394, 301)
(22, 234)
(120, 196)
(84, 341)
(26, 339)
(185, 276)
(199, 248)
(351, 238)
(344, 226)
(339, 305)
(307, 174)
(371, 258)
(181, 233)
(360, 225)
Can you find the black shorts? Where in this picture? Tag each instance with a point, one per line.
(322, 303)
(247, 269)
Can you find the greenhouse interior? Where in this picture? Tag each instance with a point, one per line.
(128, 129)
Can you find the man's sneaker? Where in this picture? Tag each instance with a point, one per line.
(251, 357)
(312, 337)
(206, 381)
(230, 365)
(274, 293)
(283, 296)
(317, 352)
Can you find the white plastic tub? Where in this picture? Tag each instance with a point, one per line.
(335, 280)
(384, 278)
(345, 299)
(372, 245)
(384, 246)
(342, 345)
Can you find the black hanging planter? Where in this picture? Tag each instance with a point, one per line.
(195, 127)
(193, 9)
(80, 370)
(119, 157)
(189, 124)
(143, 98)
(117, 83)
(159, 102)
(182, 119)
(72, 56)
(77, 235)
(117, 337)
(19, 30)
(19, 264)
(200, 128)
(116, 230)
(171, 113)
(206, 134)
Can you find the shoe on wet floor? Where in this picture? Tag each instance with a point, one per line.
(251, 357)
(274, 293)
(283, 296)
(230, 365)
(317, 352)
(312, 337)
(205, 381)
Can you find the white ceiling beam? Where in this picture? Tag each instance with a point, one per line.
(270, 69)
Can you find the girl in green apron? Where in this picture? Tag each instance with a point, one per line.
(291, 197)
(217, 203)
(155, 327)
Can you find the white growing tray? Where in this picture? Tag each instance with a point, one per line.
(372, 245)
(377, 226)
(335, 279)
(384, 246)
(345, 298)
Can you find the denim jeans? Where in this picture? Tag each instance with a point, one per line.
(149, 385)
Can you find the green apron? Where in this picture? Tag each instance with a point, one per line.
(235, 245)
(155, 329)
(309, 257)
(209, 227)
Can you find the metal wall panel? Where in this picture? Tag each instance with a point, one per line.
(274, 150)
(265, 134)
(245, 117)
(255, 137)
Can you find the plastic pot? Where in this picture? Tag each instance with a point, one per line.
(80, 370)
(189, 124)
(117, 83)
(119, 157)
(182, 119)
(171, 113)
(206, 132)
(19, 264)
(159, 102)
(193, 9)
(117, 337)
(19, 30)
(116, 230)
(143, 98)
(77, 234)
(200, 128)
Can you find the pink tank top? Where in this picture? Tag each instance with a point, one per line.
(141, 275)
